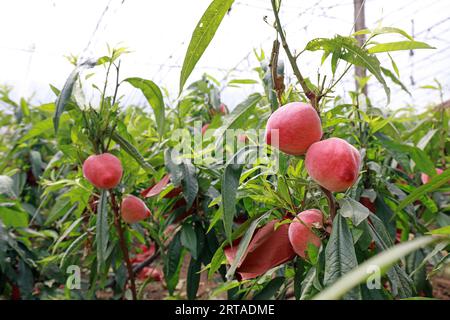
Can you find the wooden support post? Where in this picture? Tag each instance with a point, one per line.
(360, 23)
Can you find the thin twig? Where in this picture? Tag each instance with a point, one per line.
(146, 262)
(138, 268)
(123, 245)
(104, 88)
(308, 92)
(331, 203)
(277, 80)
(117, 83)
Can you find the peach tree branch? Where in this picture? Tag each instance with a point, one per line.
(292, 60)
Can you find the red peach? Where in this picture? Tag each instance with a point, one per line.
(145, 253)
(134, 209)
(104, 171)
(426, 178)
(204, 128)
(242, 138)
(298, 126)
(333, 163)
(223, 109)
(301, 233)
(398, 236)
(149, 272)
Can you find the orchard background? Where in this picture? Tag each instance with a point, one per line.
(346, 199)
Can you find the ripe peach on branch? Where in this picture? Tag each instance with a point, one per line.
(333, 163)
(298, 126)
(426, 178)
(133, 209)
(104, 171)
(301, 232)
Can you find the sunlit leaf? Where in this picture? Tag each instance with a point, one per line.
(66, 92)
(435, 183)
(102, 231)
(154, 97)
(347, 49)
(202, 36)
(340, 256)
(383, 260)
(398, 46)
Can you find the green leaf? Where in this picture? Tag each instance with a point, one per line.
(173, 263)
(7, 186)
(350, 208)
(219, 255)
(193, 279)
(43, 127)
(383, 260)
(394, 79)
(154, 97)
(25, 280)
(240, 113)
(243, 245)
(401, 283)
(66, 92)
(189, 239)
(394, 66)
(423, 142)
(13, 218)
(308, 284)
(3, 247)
(421, 159)
(190, 183)
(299, 277)
(132, 151)
(384, 30)
(238, 116)
(444, 230)
(270, 289)
(347, 49)
(340, 256)
(175, 170)
(424, 260)
(67, 232)
(230, 184)
(24, 108)
(36, 163)
(227, 286)
(398, 46)
(202, 36)
(242, 81)
(102, 232)
(62, 207)
(77, 242)
(379, 233)
(216, 261)
(436, 182)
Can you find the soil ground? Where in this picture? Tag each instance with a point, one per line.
(157, 290)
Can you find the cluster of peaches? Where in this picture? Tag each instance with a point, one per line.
(334, 164)
(104, 171)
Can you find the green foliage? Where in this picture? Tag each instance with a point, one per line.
(154, 97)
(202, 36)
(52, 218)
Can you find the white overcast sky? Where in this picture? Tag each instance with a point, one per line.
(36, 34)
